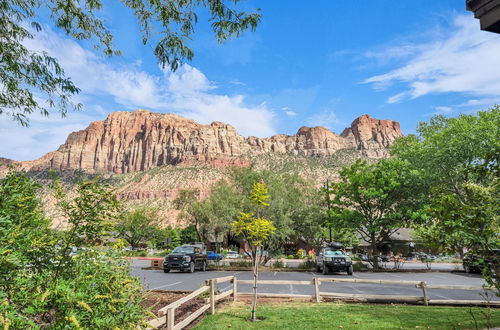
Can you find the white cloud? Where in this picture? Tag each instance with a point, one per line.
(43, 135)
(187, 92)
(289, 112)
(326, 118)
(463, 60)
(442, 110)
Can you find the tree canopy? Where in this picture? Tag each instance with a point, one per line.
(33, 81)
(459, 159)
(376, 200)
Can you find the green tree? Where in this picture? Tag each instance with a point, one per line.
(171, 233)
(459, 158)
(376, 200)
(42, 284)
(256, 231)
(188, 235)
(211, 217)
(166, 25)
(296, 209)
(139, 226)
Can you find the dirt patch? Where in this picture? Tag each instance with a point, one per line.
(158, 299)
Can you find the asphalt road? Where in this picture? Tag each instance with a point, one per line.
(177, 281)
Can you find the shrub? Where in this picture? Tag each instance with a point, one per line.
(241, 263)
(290, 256)
(359, 267)
(278, 264)
(308, 264)
(42, 285)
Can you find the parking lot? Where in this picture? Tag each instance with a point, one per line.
(177, 281)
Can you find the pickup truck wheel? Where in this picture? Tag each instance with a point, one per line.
(325, 269)
(204, 266)
(191, 267)
(349, 270)
(166, 270)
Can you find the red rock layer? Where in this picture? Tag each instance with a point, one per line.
(136, 141)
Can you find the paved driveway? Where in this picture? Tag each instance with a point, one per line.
(176, 281)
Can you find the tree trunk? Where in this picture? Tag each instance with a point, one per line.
(374, 251)
(255, 277)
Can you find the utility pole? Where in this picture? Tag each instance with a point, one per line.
(326, 186)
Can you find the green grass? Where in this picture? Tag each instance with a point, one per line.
(301, 316)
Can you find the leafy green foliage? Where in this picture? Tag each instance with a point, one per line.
(460, 160)
(166, 25)
(256, 231)
(23, 71)
(138, 227)
(376, 200)
(211, 217)
(62, 279)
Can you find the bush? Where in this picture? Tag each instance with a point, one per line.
(290, 256)
(162, 253)
(308, 264)
(278, 264)
(241, 263)
(136, 253)
(359, 267)
(41, 284)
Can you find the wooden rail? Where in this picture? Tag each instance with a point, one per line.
(460, 287)
(166, 315)
(276, 282)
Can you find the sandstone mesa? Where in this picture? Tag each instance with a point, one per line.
(140, 140)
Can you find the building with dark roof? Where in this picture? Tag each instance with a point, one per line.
(488, 13)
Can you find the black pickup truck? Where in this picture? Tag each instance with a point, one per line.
(186, 258)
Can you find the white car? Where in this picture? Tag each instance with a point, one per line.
(232, 255)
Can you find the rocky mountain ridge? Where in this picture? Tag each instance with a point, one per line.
(127, 142)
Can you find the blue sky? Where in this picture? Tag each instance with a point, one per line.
(309, 63)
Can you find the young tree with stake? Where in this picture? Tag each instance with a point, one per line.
(256, 231)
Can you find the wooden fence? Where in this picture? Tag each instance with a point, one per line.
(166, 315)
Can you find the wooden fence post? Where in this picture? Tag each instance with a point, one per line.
(212, 297)
(423, 285)
(235, 288)
(316, 289)
(170, 318)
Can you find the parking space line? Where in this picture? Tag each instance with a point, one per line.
(166, 285)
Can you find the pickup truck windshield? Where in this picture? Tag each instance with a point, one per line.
(332, 252)
(184, 249)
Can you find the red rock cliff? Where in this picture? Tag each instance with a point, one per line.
(140, 140)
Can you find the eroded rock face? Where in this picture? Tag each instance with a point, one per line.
(136, 141)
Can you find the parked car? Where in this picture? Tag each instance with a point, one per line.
(232, 255)
(333, 258)
(475, 263)
(214, 256)
(186, 258)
